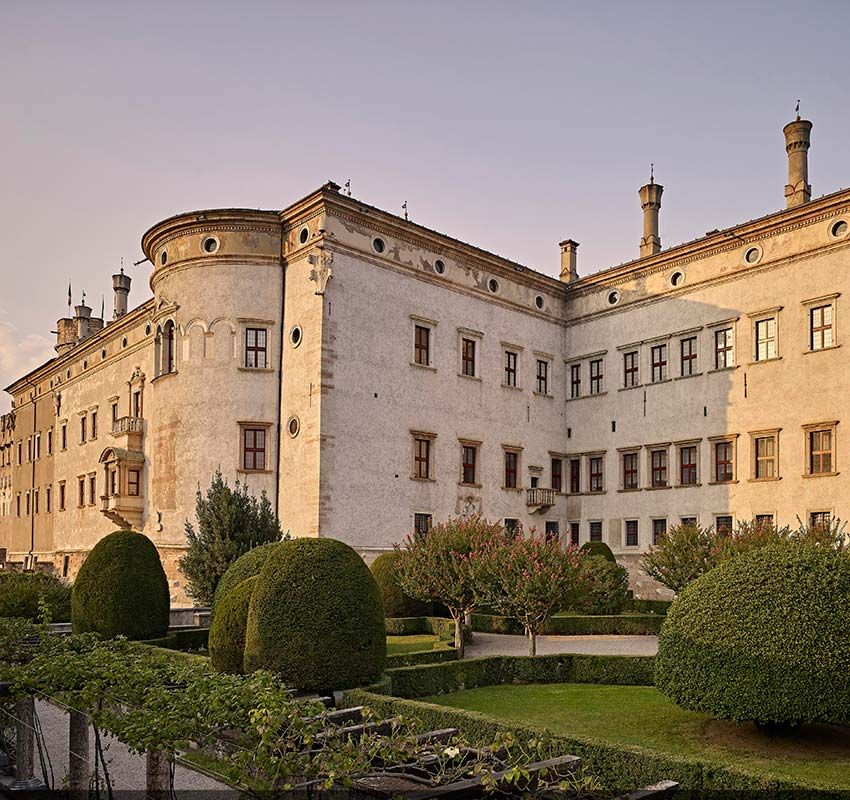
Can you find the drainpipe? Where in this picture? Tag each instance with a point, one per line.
(32, 481)
(281, 341)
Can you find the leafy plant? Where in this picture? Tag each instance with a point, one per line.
(683, 554)
(21, 594)
(230, 522)
(603, 586)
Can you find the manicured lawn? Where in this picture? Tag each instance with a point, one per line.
(398, 645)
(641, 716)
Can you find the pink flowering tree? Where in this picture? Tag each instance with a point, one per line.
(443, 566)
(527, 577)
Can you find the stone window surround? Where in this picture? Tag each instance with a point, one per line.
(678, 445)
(733, 439)
(761, 316)
(242, 425)
(477, 337)
(625, 451)
(766, 433)
(583, 362)
(243, 323)
(517, 449)
(465, 442)
(431, 437)
(431, 325)
(508, 347)
(713, 328)
(807, 306)
(539, 355)
(831, 425)
(657, 448)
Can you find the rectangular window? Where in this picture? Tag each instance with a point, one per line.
(575, 533)
(94, 424)
(658, 463)
(764, 521)
(50, 442)
(37, 446)
(765, 331)
(66, 562)
(575, 380)
(820, 452)
(114, 413)
(723, 524)
(692, 521)
(631, 533)
(820, 520)
(820, 327)
(20, 454)
(557, 473)
(422, 458)
(469, 458)
(421, 524)
(630, 470)
(659, 362)
(18, 504)
(29, 449)
(596, 531)
(83, 428)
(511, 359)
(48, 498)
(764, 457)
(511, 525)
(542, 376)
(64, 436)
(113, 483)
(81, 491)
(467, 357)
(256, 348)
(723, 462)
(552, 531)
(61, 495)
(630, 369)
(688, 356)
(92, 489)
(575, 476)
(422, 345)
(137, 403)
(596, 376)
(254, 449)
(688, 465)
(133, 482)
(597, 473)
(723, 348)
(35, 501)
(659, 530)
(511, 462)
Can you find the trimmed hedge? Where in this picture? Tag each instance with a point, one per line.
(621, 768)
(183, 639)
(20, 593)
(455, 676)
(649, 606)
(437, 656)
(414, 626)
(576, 625)
(316, 617)
(121, 589)
(598, 549)
(396, 602)
(765, 637)
(247, 565)
(604, 586)
(227, 632)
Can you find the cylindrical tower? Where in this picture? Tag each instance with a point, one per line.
(212, 402)
(121, 290)
(798, 190)
(650, 202)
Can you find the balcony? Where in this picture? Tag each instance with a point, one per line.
(538, 499)
(129, 431)
(123, 510)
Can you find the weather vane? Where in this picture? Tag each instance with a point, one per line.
(348, 188)
(404, 208)
(798, 109)
(652, 173)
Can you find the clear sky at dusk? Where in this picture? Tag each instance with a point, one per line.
(507, 125)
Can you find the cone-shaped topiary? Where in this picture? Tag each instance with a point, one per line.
(227, 632)
(764, 636)
(121, 589)
(598, 549)
(396, 602)
(316, 617)
(245, 566)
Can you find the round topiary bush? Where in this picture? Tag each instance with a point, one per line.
(598, 549)
(316, 617)
(121, 589)
(764, 637)
(245, 566)
(20, 593)
(227, 632)
(396, 602)
(603, 587)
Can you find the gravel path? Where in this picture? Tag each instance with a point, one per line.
(496, 644)
(126, 770)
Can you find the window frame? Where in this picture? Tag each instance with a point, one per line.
(656, 534)
(732, 441)
(757, 320)
(818, 304)
(431, 327)
(575, 380)
(469, 360)
(596, 376)
(634, 524)
(631, 372)
(659, 362)
(691, 358)
(659, 473)
(595, 478)
(256, 349)
(131, 483)
(254, 427)
(556, 485)
(692, 467)
(474, 447)
(633, 456)
(543, 377)
(511, 374)
(428, 518)
(417, 438)
(771, 435)
(727, 348)
(511, 467)
(811, 429)
(592, 536)
(574, 475)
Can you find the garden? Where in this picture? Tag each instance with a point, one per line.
(321, 676)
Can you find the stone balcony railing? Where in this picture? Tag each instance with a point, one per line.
(128, 425)
(538, 497)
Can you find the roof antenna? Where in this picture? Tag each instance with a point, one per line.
(122, 265)
(348, 188)
(404, 208)
(798, 110)
(83, 301)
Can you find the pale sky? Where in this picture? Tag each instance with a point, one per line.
(507, 125)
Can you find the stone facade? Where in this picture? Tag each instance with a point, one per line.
(372, 375)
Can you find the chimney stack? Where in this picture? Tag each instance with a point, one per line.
(798, 190)
(66, 335)
(569, 269)
(121, 289)
(650, 202)
(82, 316)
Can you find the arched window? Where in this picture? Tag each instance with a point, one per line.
(168, 347)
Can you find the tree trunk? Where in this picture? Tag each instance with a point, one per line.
(459, 635)
(532, 643)
(78, 755)
(25, 745)
(157, 775)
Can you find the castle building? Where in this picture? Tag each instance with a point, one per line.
(373, 376)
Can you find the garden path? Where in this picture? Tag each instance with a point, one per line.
(497, 644)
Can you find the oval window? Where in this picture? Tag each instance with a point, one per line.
(304, 235)
(378, 245)
(493, 285)
(439, 266)
(613, 298)
(839, 229)
(295, 336)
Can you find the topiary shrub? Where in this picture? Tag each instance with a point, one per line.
(316, 617)
(245, 566)
(598, 549)
(603, 587)
(764, 637)
(20, 593)
(121, 589)
(227, 632)
(396, 602)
